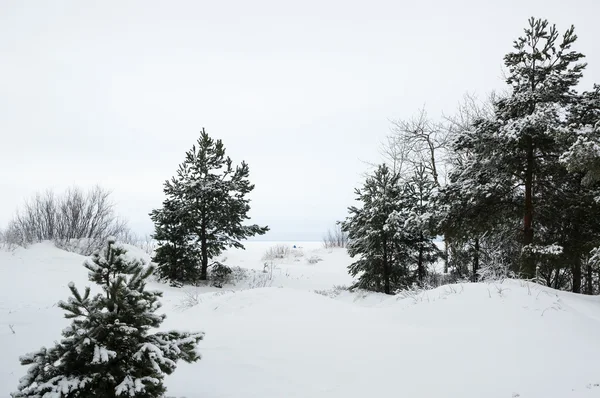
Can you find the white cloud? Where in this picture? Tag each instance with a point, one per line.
(115, 92)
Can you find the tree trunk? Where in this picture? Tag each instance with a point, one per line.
(386, 269)
(420, 269)
(434, 172)
(447, 253)
(203, 241)
(528, 264)
(173, 267)
(204, 266)
(588, 278)
(557, 280)
(576, 274)
(476, 259)
(204, 249)
(420, 265)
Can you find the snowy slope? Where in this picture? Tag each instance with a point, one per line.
(285, 340)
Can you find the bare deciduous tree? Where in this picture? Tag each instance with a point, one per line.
(77, 221)
(417, 142)
(423, 143)
(335, 238)
(469, 110)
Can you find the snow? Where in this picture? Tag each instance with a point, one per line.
(101, 354)
(510, 339)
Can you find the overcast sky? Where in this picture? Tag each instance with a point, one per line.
(114, 92)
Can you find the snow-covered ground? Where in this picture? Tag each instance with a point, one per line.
(272, 336)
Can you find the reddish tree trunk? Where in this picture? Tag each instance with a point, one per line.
(528, 265)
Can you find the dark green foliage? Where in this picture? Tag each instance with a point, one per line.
(373, 233)
(178, 252)
(512, 192)
(107, 350)
(391, 233)
(584, 153)
(418, 202)
(220, 274)
(479, 206)
(203, 213)
(529, 130)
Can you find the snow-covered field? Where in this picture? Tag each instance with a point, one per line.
(272, 336)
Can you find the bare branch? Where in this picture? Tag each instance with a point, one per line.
(76, 220)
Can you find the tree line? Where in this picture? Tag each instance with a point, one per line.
(511, 184)
(75, 220)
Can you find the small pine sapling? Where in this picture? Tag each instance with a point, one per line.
(107, 351)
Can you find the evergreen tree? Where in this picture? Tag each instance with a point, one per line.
(514, 156)
(205, 207)
(542, 73)
(178, 253)
(580, 187)
(478, 205)
(419, 228)
(376, 234)
(107, 350)
(584, 153)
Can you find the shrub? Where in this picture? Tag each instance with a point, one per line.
(496, 270)
(277, 252)
(332, 293)
(220, 274)
(191, 298)
(6, 243)
(314, 259)
(145, 243)
(297, 253)
(76, 221)
(335, 238)
(109, 350)
(260, 280)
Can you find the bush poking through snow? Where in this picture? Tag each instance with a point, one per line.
(414, 293)
(76, 220)
(238, 275)
(314, 259)
(191, 298)
(268, 267)
(495, 271)
(260, 280)
(297, 253)
(6, 242)
(332, 293)
(276, 252)
(107, 350)
(220, 274)
(145, 243)
(335, 238)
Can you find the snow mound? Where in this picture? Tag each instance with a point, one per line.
(497, 340)
(134, 252)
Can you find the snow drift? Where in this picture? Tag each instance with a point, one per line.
(510, 339)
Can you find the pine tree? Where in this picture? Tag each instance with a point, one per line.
(178, 252)
(376, 234)
(107, 350)
(584, 154)
(419, 228)
(582, 160)
(542, 73)
(514, 155)
(205, 207)
(479, 204)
